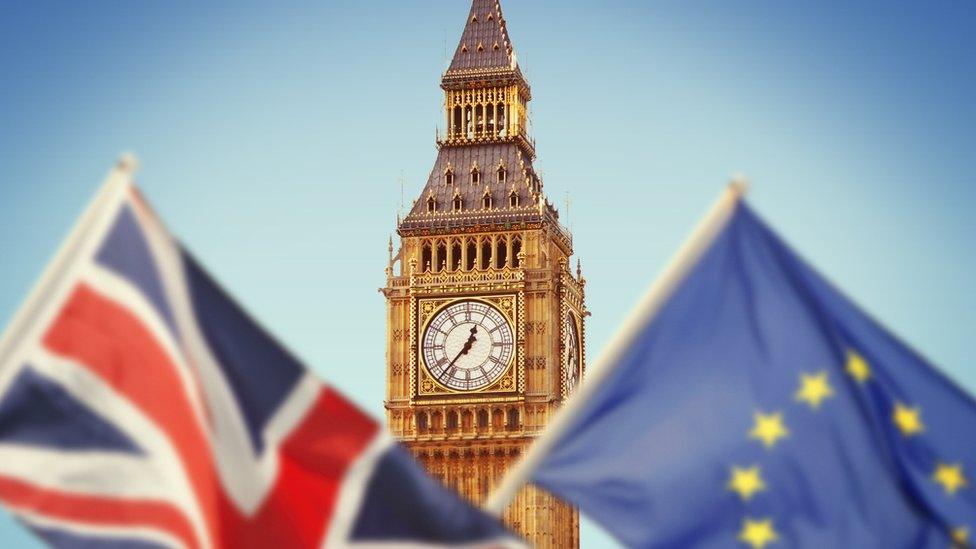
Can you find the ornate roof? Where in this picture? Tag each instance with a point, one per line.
(452, 197)
(472, 173)
(520, 179)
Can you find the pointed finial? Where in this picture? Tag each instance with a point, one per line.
(128, 163)
(579, 269)
(739, 183)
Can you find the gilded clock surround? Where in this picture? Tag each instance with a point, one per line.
(483, 229)
(427, 385)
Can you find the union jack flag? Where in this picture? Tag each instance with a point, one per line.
(140, 406)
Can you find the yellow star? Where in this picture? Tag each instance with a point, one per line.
(857, 367)
(746, 481)
(950, 477)
(814, 389)
(908, 420)
(758, 533)
(769, 428)
(960, 537)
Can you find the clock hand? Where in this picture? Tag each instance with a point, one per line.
(467, 344)
(464, 350)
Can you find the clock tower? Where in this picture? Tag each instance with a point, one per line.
(485, 317)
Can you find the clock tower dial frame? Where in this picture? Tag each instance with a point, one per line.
(467, 345)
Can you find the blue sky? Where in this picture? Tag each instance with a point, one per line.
(273, 138)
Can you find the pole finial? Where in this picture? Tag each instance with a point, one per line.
(739, 183)
(127, 162)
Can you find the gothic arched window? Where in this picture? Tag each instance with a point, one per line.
(516, 250)
(497, 419)
(486, 253)
(440, 261)
(472, 254)
(456, 255)
(501, 253)
(457, 123)
(513, 419)
(426, 257)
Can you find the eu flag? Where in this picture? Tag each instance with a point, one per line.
(752, 404)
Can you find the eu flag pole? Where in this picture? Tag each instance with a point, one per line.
(746, 402)
(653, 298)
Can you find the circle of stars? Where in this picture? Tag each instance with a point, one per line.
(815, 389)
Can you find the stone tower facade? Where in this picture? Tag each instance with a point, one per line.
(485, 317)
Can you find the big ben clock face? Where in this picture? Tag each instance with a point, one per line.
(571, 354)
(467, 345)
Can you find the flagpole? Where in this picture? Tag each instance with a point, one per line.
(655, 297)
(120, 174)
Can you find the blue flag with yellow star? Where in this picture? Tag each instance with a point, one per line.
(759, 407)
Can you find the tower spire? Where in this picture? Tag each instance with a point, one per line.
(484, 43)
(484, 174)
(484, 54)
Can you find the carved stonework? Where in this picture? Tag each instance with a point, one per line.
(503, 250)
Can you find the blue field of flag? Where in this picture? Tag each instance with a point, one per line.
(761, 408)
